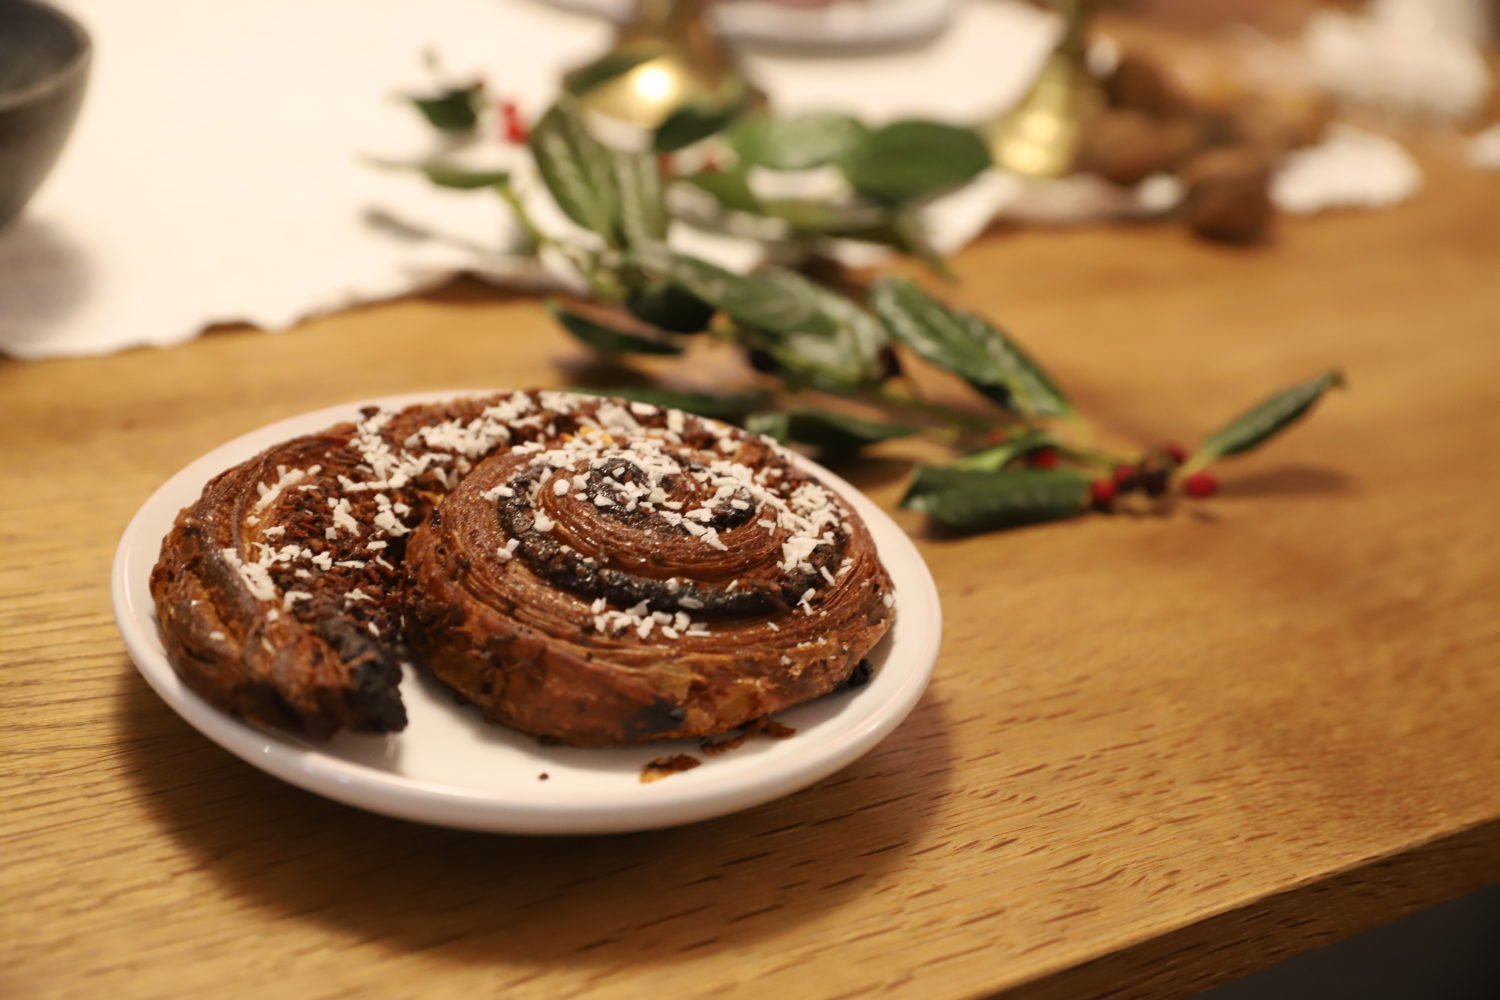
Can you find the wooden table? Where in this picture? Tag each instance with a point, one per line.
(1158, 753)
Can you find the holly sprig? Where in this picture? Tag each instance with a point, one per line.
(1028, 457)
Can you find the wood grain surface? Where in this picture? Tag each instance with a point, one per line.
(1159, 751)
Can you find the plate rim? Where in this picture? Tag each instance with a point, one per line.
(769, 24)
(354, 783)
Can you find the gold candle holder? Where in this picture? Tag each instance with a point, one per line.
(666, 57)
(1040, 136)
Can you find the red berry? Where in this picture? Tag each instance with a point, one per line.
(1126, 478)
(513, 123)
(1043, 458)
(1200, 485)
(667, 164)
(1102, 494)
(1176, 452)
(996, 437)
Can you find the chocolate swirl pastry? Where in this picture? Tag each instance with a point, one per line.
(588, 570)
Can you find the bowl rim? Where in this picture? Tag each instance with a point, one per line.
(11, 99)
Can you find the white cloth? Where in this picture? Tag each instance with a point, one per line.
(216, 174)
(1397, 59)
(219, 171)
(1350, 168)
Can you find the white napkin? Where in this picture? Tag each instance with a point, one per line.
(215, 174)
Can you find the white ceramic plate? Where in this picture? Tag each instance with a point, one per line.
(451, 768)
(846, 23)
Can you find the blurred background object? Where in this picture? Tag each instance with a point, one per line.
(807, 24)
(44, 69)
(1415, 59)
(1211, 116)
(667, 58)
(1040, 135)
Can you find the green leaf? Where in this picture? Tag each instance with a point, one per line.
(831, 432)
(901, 231)
(604, 69)
(811, 333)
(730, 407)
(709, 282)
(578, 169)
(909, 160)
(774, 299)
(969, 346)
(461, 178)
(1017, 445)
(816, 335)
(969, 500)
(779, 301)
(453, 110)
(822, 218)
(671, 308)
(643, 209)
(729, 188)
(800, 142)
(697, 121)
(818, 362)
(1262, 422)
(448, 175)
(862, 223)
(612, 331)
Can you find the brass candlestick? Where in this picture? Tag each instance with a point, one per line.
(666, 57)
(1040, 136)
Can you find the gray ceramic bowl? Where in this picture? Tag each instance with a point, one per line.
(44, 68)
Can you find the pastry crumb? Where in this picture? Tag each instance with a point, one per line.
(665, 767)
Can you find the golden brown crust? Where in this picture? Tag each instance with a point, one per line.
(551, 634)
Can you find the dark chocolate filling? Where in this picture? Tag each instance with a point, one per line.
(568, 569)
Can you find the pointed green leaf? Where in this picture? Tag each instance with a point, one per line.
(695, 122)
(643, 209)
(773, 299)
(800, 142)
(612, 331)
(901, 231)
(453, 110)
(829, 431)
(1264, 421)
(448, 175)
(671, 308)
(824, 218)
(969, 500)
(608, 67)
(730, 407)
(819, 336)
(810, 332)
(815, 361)
(779, 301)
(578, 169)
(909, 160)
(1017, 445)
(968, 346)
(729, 188)
(460, 178)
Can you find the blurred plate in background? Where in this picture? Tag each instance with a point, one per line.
(836, 24)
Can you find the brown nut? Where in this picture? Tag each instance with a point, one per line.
(1128, 146)
(1228, 195)
(1138, 84)
(1278, 121)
